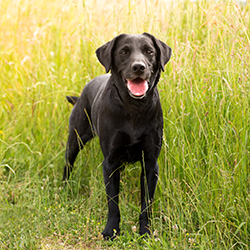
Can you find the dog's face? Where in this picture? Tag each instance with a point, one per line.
(137, 60)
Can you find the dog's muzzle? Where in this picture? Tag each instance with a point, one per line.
(137, 87)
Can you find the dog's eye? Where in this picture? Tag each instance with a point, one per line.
(150, 52)
(123, 52)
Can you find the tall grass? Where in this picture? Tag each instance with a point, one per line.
(47, 51)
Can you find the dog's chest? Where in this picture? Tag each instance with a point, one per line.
(132, 142)
(131, 149)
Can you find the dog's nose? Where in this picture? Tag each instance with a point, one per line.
(138, 67)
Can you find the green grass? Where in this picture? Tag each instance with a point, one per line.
(47, 51)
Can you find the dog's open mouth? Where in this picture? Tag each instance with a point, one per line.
(137, 87)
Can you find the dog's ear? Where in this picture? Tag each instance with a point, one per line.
(105, 53)
(163, 50)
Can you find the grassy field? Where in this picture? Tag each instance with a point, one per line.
(47, 51)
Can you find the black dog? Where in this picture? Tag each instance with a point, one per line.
(124, 110)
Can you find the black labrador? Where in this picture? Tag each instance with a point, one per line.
(123, 108)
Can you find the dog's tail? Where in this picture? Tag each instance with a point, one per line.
(72, 99)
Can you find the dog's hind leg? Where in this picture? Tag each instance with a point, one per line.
(74, 145)
(80, 133)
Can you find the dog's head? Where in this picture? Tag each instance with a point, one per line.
(137, 60)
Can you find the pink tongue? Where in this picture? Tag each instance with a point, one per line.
(137, 87)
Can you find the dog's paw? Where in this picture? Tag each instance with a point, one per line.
(145, 232)
(110, 234)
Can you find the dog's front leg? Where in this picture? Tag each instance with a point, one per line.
(111, 175)
(149, 177)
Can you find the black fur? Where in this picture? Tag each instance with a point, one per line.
(129, 127)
